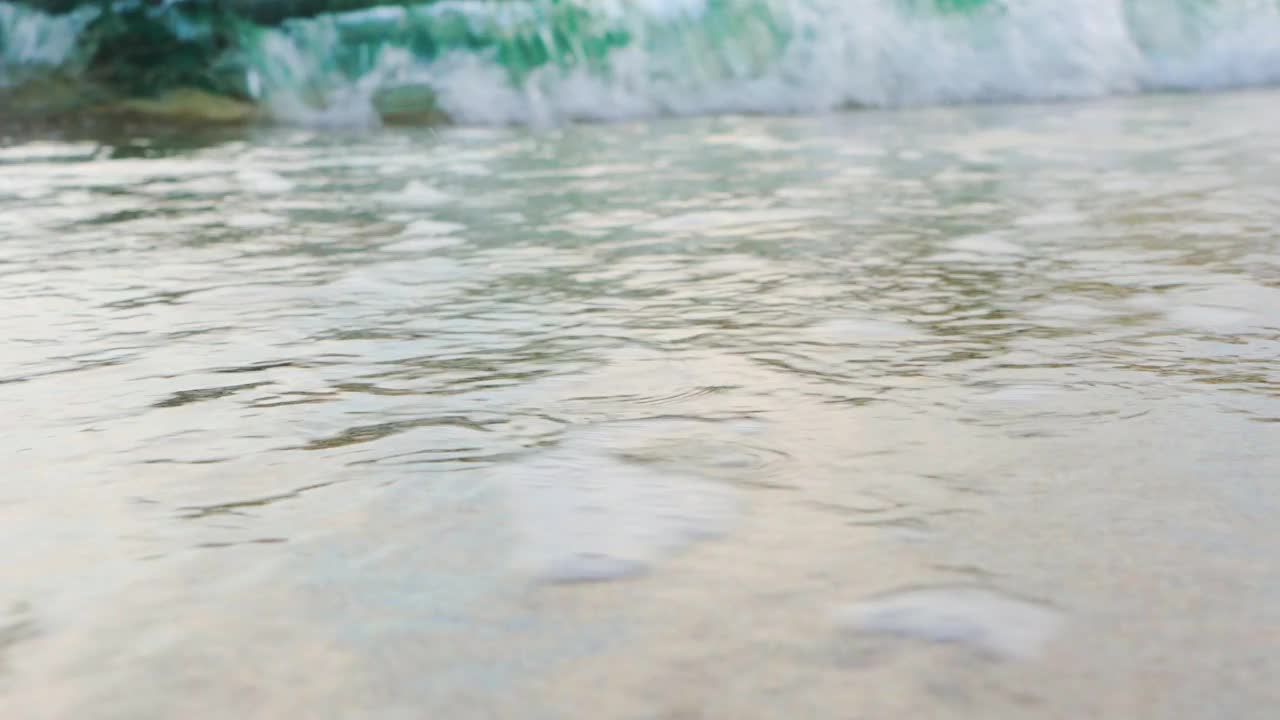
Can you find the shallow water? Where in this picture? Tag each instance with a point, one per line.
(945, 413)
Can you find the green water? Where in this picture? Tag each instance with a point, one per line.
(947, 413)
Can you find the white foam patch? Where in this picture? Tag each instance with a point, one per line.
(255, 220)
(1052, 216)
(985, 245)
(1225, 311)
(422, 244)
(844, 330)
(708, 220)
(583, 513)
(1213, 319)
(1070, 312)
(418, 194)
(1025, 393)
(989, 622)
(430, 228)
(263, 182)
(426, 235)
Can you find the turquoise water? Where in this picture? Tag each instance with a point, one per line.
(933, 413)
(547, 61)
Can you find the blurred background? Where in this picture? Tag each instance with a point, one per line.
(359, 62)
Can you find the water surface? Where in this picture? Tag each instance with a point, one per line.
(942, 413)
